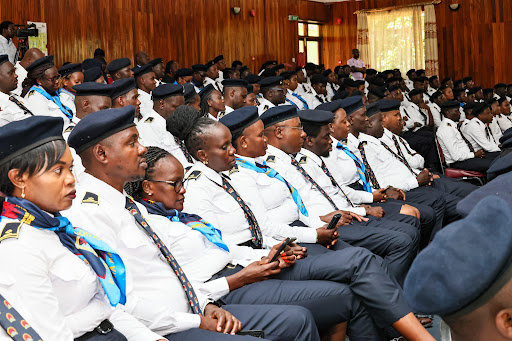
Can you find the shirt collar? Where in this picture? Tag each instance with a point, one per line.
(89, 183)
(4, 96)
(4, 39)
(278, 153)
(388, 133)
(447, 120)
(143, 93)
(208, 172)
(311, 156)
(249, 159)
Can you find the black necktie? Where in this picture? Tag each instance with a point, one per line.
(400, 157)
(20, 105)
(369, 170)
(183, 148)
(470, 146)
(14, 324)
(334, 182)
(187, 287)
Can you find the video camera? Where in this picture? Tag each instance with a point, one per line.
(25, 31)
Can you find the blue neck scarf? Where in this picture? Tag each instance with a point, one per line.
(107, 264)
(191, 220)
(361, 170)
(55, 99)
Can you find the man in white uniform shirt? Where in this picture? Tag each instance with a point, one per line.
(120, 68)
(212, 73)
(235, 93)
(318, 93)
(478, 132)
(146, 82)
(290, 81)
(30, 56)
(273, 93)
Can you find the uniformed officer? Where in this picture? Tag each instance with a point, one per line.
(12, 106)
(70, 75)
(478, 132)
(290, 84)
(94, 74)
(235, 93)
(125, 93)
(158, 69)
(212, 73)
(503, 118)
(473, 296)
(318, 93)
(50, 269)
(184, 75)
(170, 304)
(146, 82)
(192, 97)
(273, 93)
(198, 76)
(41, 90)
(212, 102)
(494, 127)
(120, 68)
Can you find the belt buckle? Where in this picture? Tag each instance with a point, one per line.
(105, 327)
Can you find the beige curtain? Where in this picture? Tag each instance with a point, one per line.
(362, 37)
(431, 56)
(396, 39)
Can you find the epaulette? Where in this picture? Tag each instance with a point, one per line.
(90, 198)
(221, 114)
(478, 121)
(448, 124)
(10, 230)
(271, 158)
(265, 107)
(234, 169)
(194, 175)
(69, 129)
(364, 143)
(31, 92)
(303, 159)
(149, 120)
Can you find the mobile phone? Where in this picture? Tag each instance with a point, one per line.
(334, 221)
(260, 334)
(281, 248)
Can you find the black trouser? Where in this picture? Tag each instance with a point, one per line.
(476, 164)
(423, 142)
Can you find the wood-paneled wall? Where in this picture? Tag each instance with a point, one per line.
(190, 31)
(473, 41)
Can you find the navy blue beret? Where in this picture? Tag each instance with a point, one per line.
(330, 106)
(142, 70)
(123, 86)
(156, 61)
(491, 101)
(269, 82)
(463, 266)
(184, 72)
(235, 83)
(386, 105)
(372, 109)
(199, 67)
(288, 74)
(218, 58)
(70, 68)
(278, 114)
(93, 89)
(507, 134)
(189, 91)
(207, 90)
(92, 74)
(99, 125)
(316, 117)
(502, 164)
(118, 64)
(350, 83)
(252, 79)
(467, 79)
(240, 119)
(3, 58)
(19, 137)
(277, 67)
(500, 186)
(318, 79)
(415, 92)
(434, 77)
(435, 95)
(352, 104)
(379, 91)
(470, 105)
(449, 105)
(340, 95)
(210, 64)
(40, 62)
(500, 85)
(167, 90)
(488, 90)
(393, 87)
(480, 108)
(501, 100)
(474, 90)
(90, 63)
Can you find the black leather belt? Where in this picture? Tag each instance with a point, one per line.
(104, 328)
(247, 243)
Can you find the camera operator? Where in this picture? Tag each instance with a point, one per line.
(7, 32)
(30, 56)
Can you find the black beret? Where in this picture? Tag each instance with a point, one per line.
(433, 78)
(449, 105)
(328, 72)
(458, 91)
(199, 67)
(252, 79)
(156, 61)
(445, 80)
(118, 64)
(474, 90)
(278, 114)
(349, 82)
(379, 91)
(92, 74)
(318, 79)
(190, 91)
(500, 186)
(93, 89)
(415, 92)
(387, 105)
(239, 119)
(184, 72)
(457, 83)
(70, 68)
(288, 74)
(447, 279)
(277, 67)
(470, 106)
(435, 95)
(491, 101)
(501, 165)
(393, 88)
(480, 108)
(40, 62)
(500, 85)
(352, 104)
(372, 109)
(19, 137)
(420, 79)
(268, 73)
(501, 100)
(234, 83)
(271, 81)
(410, 71)
(391, 79)
(206, 91)
(316, 116)
(210, 64)
(371, 72)
(90, 63)
(376, 81)
(218, 58)
(3, 58)
(340, 95)
(99, 125)
(467, 79)
(250, 89)
(167, 90)
(142, 70)
(123, 86)
(420, 71)
(507, 134)
(330, 106)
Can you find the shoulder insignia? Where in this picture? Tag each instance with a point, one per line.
(303, 159)
(478, 121)
(448, 124)
(31, 92)
(69, 129)
(364, 143)
(221, 114)
(90, 198)
(194, 175)
(265, 107)
(234, 169)
(10, 230)
(149, 120)
(271, 158)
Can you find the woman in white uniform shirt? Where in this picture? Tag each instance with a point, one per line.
(212, 102)
(51, 272)
(71, 74)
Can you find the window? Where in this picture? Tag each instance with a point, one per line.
(310, 42)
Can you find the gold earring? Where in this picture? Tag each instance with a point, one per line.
(205, 162)
(23, 192)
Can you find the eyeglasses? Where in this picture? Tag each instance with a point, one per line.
(298, 128)
(176, 184)
(53, 79)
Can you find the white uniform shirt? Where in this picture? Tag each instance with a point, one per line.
(504, 121)
(146, 103)
(44, 107)
(55, 291)
(208, 80)
(22, 75)
(292, 97)
(314, 99)
(206, 198)
(7, 47)
(479, 136)
(414, 114)
(436, 113)
(153, 132)
(155, 295)
(312, 164)
(453, 146)
(495, 129)
(331, 90)
(272, 203)
(303, 89)
(414, 159)
(264, 105)
(10, 111)
(68, 100)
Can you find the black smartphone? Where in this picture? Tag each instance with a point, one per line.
(281, 248)
(334, 221)
(254, 333)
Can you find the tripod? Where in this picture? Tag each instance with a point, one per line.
(22, 48)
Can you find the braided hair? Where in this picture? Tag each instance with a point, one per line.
(153, 155)
(32, 77)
